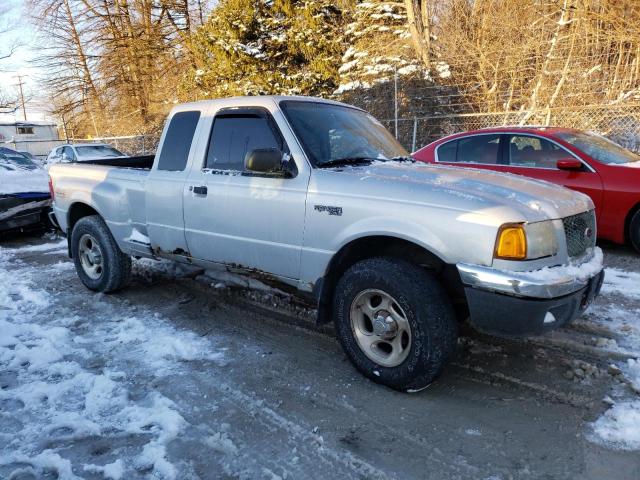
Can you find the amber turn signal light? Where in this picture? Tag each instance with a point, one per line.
(511, 243)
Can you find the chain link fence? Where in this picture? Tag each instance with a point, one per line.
(618, 123)
(420, 113)
(131, 144)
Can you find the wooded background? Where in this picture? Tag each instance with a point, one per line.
(116, 67)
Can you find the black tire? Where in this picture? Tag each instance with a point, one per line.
(634, 231)
(426, 307)
(115, 270)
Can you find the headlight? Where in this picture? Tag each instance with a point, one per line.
(517, 241)
(541, 239)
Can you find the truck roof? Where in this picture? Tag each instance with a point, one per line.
(255, 100)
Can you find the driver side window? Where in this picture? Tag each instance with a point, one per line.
(235, 134)
(536, 152)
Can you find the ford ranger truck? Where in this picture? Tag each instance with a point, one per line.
(318, 195)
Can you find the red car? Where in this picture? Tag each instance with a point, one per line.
(579, 160)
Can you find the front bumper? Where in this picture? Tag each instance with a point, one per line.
(526, 303)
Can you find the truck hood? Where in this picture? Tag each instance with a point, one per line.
(464, 189)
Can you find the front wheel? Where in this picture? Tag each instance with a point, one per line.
(395, 322)
(634, 231)
(99, 262)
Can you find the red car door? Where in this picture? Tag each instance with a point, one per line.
(537, 157)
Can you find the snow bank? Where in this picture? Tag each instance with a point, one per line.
(632, 372)
(20, 181)
(156, 349)
(619, 427)
(621, 282)
(44, 247)
(111, 471)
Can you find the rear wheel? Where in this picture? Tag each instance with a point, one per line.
(634, 231)
(395, 322)
(100, 263)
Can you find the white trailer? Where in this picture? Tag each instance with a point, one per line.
(37, 138)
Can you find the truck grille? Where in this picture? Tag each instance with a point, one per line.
(580, 231)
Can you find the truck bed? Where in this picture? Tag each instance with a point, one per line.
(115, 187)
(143, 162)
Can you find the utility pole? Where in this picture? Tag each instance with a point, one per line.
(24, 110)
(395, 101)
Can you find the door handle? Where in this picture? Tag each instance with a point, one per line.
(200, 190)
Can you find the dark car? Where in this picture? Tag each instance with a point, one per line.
(24, 192)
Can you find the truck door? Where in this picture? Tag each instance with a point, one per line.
(165, 183)
(237, 217)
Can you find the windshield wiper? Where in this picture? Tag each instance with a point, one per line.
(346, 161)
(404, 158)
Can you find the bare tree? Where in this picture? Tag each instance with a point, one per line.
(419, 20)
(7, 49)
(114, 62)
(537, 56)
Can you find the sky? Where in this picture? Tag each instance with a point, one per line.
(20, 62)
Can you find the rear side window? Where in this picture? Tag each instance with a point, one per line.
(177, 141)
(447, 151)
(482, 149)
(234, 135)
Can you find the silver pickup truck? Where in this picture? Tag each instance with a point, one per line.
(318, 195)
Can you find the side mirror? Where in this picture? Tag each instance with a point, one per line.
(569, 164)
(264, 160)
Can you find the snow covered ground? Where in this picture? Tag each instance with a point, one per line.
(165, 382)
(618, 314)
(64, 389)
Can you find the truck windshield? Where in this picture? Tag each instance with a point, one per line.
(599, 148)
(334, 134)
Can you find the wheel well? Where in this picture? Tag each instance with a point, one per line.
(627, 221)
(76, 212)
(368, 247)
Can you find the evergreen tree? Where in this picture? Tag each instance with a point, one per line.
(379, 46)
(252, 47)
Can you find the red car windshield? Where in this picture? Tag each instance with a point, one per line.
(599, 148)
